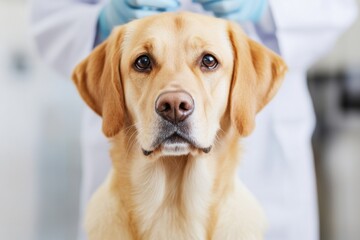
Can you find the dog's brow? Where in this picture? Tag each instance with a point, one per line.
(198, 43)
(148, 45)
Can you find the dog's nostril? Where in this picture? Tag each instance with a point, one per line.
(165, 107)
(185, 106)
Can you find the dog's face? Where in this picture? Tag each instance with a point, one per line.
(175, 78)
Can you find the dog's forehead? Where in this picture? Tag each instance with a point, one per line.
(178, 28)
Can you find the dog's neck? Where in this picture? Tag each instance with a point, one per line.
(157, 191)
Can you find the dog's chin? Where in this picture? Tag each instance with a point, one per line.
(175, 149)
(173, 146)
(176, 146)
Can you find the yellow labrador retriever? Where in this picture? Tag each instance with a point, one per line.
(176, 92)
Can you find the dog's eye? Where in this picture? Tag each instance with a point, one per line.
(143, 63)
(209, 62)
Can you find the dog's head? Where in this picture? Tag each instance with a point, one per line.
(175, 78)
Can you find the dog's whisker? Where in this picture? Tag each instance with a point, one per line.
(129, 128)
(132, 138)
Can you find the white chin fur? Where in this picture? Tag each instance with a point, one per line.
(175, 149)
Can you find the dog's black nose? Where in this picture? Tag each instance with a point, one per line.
(174, 106)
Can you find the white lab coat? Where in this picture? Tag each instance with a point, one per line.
(277, 163)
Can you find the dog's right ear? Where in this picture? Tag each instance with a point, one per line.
(97, 79)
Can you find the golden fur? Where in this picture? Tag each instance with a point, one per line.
(195, 195)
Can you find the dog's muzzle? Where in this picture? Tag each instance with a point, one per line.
(174, 108)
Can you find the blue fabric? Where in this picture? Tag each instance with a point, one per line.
(237, 10)
(118, 12)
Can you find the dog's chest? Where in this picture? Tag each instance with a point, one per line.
(172, 204)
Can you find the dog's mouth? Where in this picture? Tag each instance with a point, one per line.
(174, 141)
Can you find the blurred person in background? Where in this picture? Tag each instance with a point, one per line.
(277, 163)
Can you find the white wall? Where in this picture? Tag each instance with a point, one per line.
(39, 133)
(339, 167)
(346, 51)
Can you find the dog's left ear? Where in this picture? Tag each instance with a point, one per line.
(97, 79)
(257, 75)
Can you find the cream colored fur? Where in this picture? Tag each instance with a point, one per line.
(173, 199)
(170, 195)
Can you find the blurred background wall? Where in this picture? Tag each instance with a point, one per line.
(40, 116)
(334, 84)
(39, 138)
